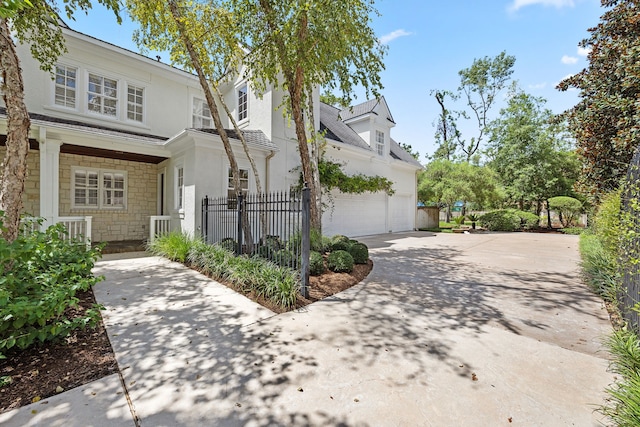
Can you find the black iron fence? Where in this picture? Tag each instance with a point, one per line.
(274, 226)
(630, 260)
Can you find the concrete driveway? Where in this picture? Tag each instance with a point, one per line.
(469, 330)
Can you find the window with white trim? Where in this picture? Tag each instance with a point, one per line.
(231, 192)
(98, 188)
(380, 143)
(201, 114)
(243, 103)
(102, 95)
(179, 181)
(135, 98)
(65, 86)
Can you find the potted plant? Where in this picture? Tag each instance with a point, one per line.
(473, 218)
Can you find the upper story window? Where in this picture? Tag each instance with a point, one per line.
(102, 95)
(98, 188)
(380, 142)
(65, 82)
(201, 114)
(135, 98)
(243, 103)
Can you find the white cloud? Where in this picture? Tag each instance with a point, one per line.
(538, 86)
(387, 38)
(518, 4)
(566, 59)
(583, 51)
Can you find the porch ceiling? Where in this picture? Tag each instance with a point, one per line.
(110, 154)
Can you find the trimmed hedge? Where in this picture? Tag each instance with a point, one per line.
(359, 252)
(340, 262)
(316, 263)
(508, 220)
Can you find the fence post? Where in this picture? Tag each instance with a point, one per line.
(306, 241)
(205, 218)
(240, 201)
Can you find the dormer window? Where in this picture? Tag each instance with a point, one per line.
(243, 103)
(380, 142)
(65, 86)
(102, 95)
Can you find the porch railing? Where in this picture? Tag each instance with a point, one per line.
(158, 226)
(78, 227)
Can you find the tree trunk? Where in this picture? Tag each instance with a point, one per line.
(205, 84)
(548, 215)
(13, 171)
(316, 155)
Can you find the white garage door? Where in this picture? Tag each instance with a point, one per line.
(356, 215)
(402, 213)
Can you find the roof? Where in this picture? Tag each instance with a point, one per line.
(257, 138)
(337, 130)
(365, 108)
(105, 130)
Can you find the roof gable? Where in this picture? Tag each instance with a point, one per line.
(378, 107)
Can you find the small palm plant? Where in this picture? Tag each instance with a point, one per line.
(473, 218)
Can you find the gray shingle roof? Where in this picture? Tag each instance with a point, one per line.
(257, 138)
(336, 130)
(366, 107)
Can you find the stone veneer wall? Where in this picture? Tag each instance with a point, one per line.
(132, 223)
(31, 196)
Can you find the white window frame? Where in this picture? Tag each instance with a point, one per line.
(244, 186)
(105, 194)
(198, 117)
(380, 137)
(178, 186)
(242, 100)
(102, 95)
(66, 87)
(132, 104)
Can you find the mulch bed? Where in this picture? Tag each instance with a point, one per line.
(86, 355)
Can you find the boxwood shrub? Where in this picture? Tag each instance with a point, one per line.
(316, 263)
(359, 252)
(340, 262)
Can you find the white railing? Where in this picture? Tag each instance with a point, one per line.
(158, 226)
(78, 227)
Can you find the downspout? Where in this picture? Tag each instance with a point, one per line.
(268, 171)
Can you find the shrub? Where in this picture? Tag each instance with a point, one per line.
(508, 220)
(39, 276)
(316, 263)
(576, 231)
(273, 242)
(568, 209)
(319, 243)
(285, 258)
(623, 407)
(174, 246)
(606, 223)
(265, 252)
(500, 220)
(359, 252)
(600, 267)
(229, 244)
(340, 262)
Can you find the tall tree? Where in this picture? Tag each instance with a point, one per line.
(200, 36)
(448, 137)
(606, 121)
(34, 24)
(530, 152)
(444, 183)
(298, 46)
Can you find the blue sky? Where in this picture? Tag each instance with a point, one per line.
(431, 40)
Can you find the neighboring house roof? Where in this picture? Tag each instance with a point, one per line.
(253, 137)
(337, 130)
(366, 107)
(73, 124)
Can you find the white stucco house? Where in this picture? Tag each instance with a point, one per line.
(121, 138)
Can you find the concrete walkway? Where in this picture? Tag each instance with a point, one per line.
(469, 330)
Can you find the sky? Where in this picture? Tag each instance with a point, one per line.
(429, 41)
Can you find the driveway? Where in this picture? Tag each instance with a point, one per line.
(470, 330)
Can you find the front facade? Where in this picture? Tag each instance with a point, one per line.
(122, 138)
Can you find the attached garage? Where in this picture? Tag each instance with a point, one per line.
(356, 215)
(402, 213)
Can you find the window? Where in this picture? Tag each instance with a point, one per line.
(380, 142)
(243, 104)
(179, 187)
(102, 95)
(134, 103)
(98, 189)
(65, 86)
(201, 114)
(231, 192)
